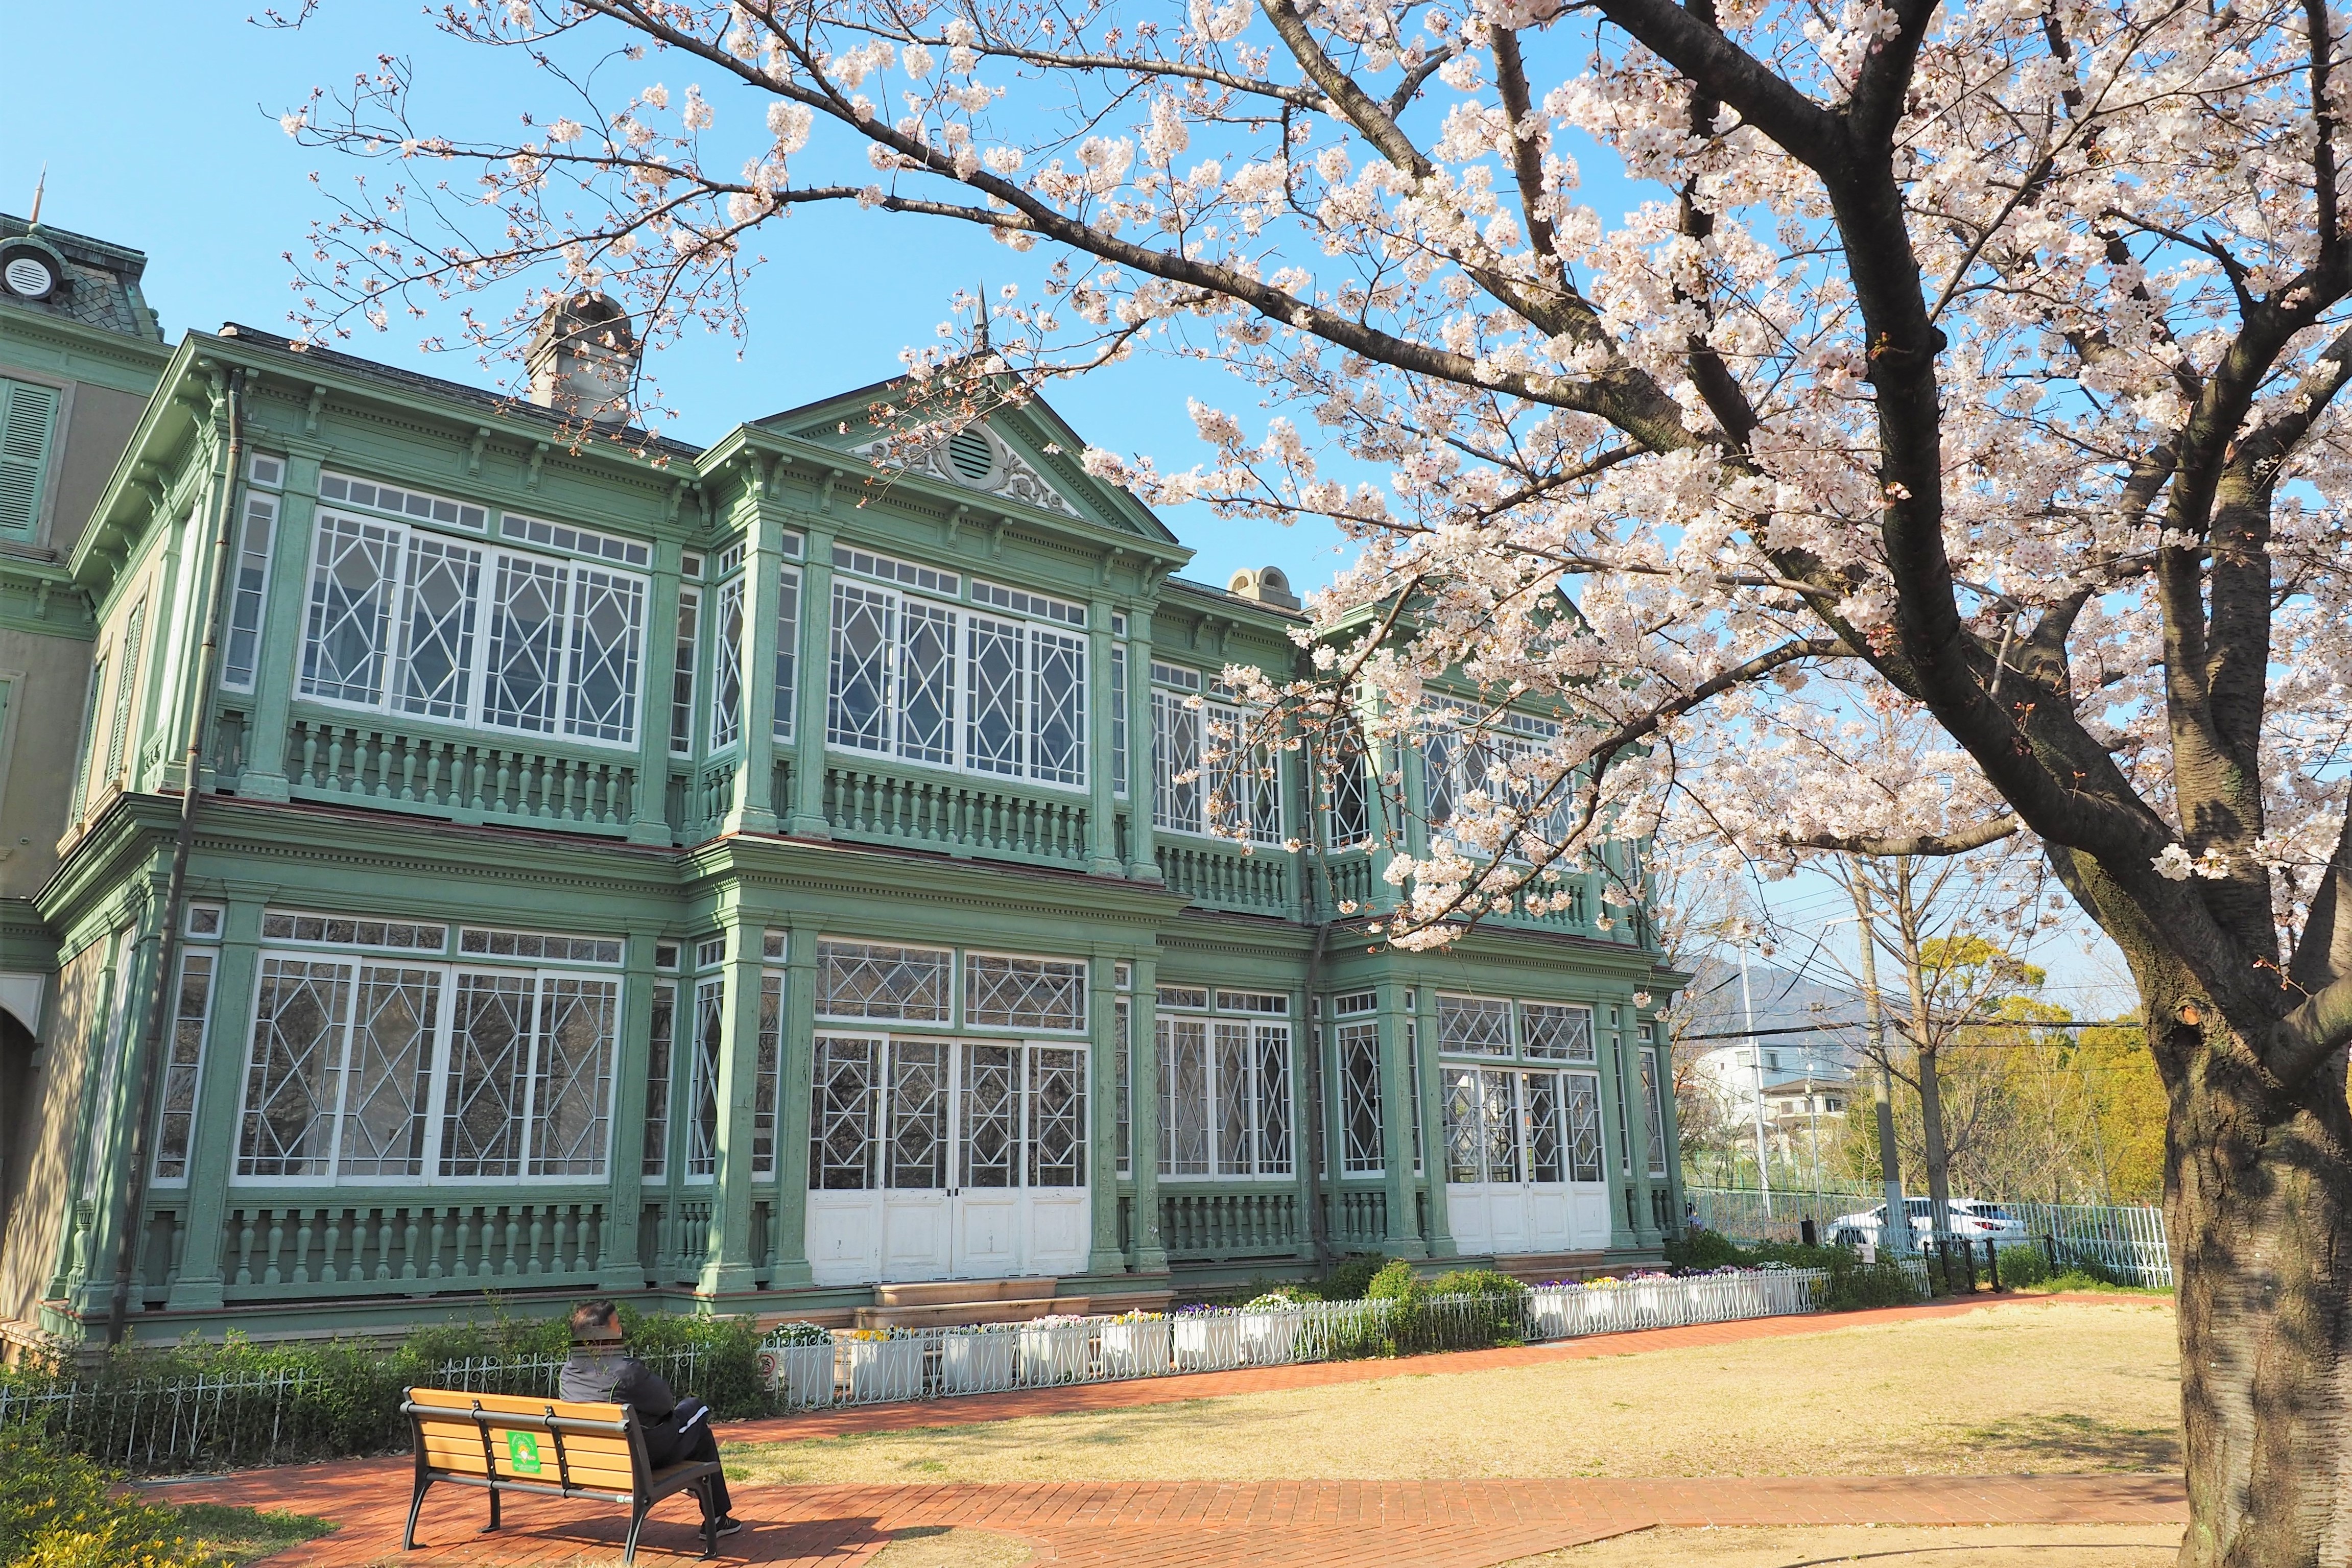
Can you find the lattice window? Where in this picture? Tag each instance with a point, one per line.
(1583, 1110)
(1359, 1099)
(841, 1110)
(1654, 1113)
(1348, 792)
(654, 1163)
(1412, 1082)
(395, 1016)
(1273, 1091)
(571, 1077)
(248, 591)
(702, 1087)
(1184, 1097)
(1177, 792)
(687, 654)
(1057, 708)
(526, 615)
(1500, 1123)
(869, 980)
(764, 1083)
(788, 651)
(927, 683)
(1001, 991)
(858, 716)
(989, 1135)
(482, 1125)
(351, 576)
(294, 1071)
(1466, 1139)
(993, 682)
(1057, 1118)
(1236, 1118)
(727, 668)
(1244, 778)
(437, 627)
(915, 1155)
(1479, 1026)
(1545, 1144)
(1123, 1069)
(1551, 1033)
(183, 1067)
(607, 611)
(1119, 720)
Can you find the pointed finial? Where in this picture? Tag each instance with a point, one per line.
(38, 187)
(980, 343)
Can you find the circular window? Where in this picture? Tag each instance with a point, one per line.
(29, 275)
(971, 455)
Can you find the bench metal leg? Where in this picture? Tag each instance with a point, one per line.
(494, 1513)
(637, 1522)
(416, 1502)
(710, 1493)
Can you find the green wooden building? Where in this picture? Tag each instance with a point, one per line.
(748, 876)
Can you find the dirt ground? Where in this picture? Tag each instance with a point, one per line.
(2071, 1387)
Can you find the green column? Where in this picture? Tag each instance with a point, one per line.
(278, 652)
(1396, 1127)
(220, 1085)
(108, 1107)
(756, 759)
(1143, 1120)
(1142, 864)
(1618, 1110)
(807, 819)
(1431, 1089)
(1102, 1107)
(625, 1149)
(728, 1271)
(1645, 1225)
(795, 1064)
(1102, 825)
(1674, 1133)
(649, 803)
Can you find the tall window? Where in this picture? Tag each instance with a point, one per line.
(184, 1068)
(1510, 1115)
(1348, 791)
(377, 1068)
(1653, 1109)
(765, 1075)
(248, 590)
(931, 682)
(702, 1087)
(788, 651)
(1361, 1152)
(1208, 777)
(126, 687)
(1467, 754)
(682, 671)
(1225, 1094)
(410, 622)
(1118, 709)
(654, 1167)
(28, 413)
(727, 668)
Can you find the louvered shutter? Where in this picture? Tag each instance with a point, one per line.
(28, 413)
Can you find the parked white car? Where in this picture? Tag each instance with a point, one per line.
(1971, 1218)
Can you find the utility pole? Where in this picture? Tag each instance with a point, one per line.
(1756, 1059)
(1895, 1233)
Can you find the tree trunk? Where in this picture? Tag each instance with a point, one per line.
(1931, 1129)
(2258, 1195)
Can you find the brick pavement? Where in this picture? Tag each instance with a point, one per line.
(1430, 1524)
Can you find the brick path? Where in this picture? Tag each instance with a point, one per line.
(1429, 1524)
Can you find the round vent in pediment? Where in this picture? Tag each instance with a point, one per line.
(27, 273)
(971, 455)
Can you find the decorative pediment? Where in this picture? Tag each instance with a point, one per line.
(976, 458)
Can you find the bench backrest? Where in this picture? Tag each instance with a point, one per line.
(536, 1442)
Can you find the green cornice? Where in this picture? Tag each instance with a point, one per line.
(41, 597)
(92, 354)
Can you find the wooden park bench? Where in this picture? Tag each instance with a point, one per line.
(503, 1442)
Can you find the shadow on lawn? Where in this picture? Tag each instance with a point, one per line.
(2081, 1442)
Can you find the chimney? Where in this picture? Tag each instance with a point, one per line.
(583, 359)
(1267, 585)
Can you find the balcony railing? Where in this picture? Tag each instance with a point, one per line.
(468, 780)
(1223, 878)
(1359, 1217)
(954, 815)
(371, 1247)
(674, 1239)
(1214, 1225)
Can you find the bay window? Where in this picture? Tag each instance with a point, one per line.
(404, 621)
(1224, 1096)
(1208, 775)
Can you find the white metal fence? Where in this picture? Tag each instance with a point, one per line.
(931, 1364)
(2128, 1241)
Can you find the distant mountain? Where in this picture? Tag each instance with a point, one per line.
(1784, 999)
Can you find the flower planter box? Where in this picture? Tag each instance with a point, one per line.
(1270, 1337)
(976, 1363)
(1206, 1343)
(801, 1376)
(1055, 1353)
(1135, 1350)
(882, 1369)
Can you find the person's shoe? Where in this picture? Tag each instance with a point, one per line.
(727, 1525)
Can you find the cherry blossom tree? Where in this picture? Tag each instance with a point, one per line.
(1984, 359)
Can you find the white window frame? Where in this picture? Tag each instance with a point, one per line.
(249, 591)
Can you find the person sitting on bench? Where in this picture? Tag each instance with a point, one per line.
(601, 1373)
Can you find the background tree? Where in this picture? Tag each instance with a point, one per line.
(1988, 356)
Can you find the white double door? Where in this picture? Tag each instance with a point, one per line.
(1523, 1159)
(975, 1165)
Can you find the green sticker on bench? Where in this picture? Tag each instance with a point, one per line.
(522, 1453)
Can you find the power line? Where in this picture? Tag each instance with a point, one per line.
(1949, 1023)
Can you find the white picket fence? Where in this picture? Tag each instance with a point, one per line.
(2128, 1240)
(933, 1363)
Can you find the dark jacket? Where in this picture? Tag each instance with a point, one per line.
(615, 1377)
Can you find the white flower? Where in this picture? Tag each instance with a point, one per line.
(2174, 864)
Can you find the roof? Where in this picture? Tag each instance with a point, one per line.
(505, 404)
(102, 282)
(1199, 590)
